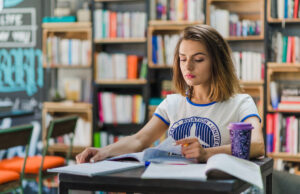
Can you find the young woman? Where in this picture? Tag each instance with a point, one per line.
(208, 100)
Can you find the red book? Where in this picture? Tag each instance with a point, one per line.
(185, 7)
(132, 67)
(270, 132)
(289, 50)
(100, 110)
(113, 24)
(296, 7)
(114, 108)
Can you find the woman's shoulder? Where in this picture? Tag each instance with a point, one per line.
(174, 98)
(239, 98)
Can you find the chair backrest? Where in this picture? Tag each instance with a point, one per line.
(59, 127)
(15, 136)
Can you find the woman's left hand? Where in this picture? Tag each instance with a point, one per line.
(191, 148)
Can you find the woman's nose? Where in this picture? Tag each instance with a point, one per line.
(189, 64)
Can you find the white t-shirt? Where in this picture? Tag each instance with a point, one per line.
(207, 122)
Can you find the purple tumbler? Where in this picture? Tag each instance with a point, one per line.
(240, 136)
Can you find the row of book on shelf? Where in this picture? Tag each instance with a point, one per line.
(285, 9)
(231, 24)
(104, 138)
(249, 65)
(75, 89)
(285, 96)
(120, 109)
(285, 49)
(177, 10)
(82, 135)
(163, 48)
(283, 133)
(111, 24)
(68, 52)
(120, 66)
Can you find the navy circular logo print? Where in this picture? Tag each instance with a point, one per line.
(204, 129)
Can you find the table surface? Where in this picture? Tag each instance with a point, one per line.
(130, 181)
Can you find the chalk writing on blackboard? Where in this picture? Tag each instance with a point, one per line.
(21, 70)
(11, 3)
(18, 27)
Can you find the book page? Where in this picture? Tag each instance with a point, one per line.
(92, 169)
(165, 171)
(242, 169)
(168, 145)
(138, 156)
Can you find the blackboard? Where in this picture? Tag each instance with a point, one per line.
(21, 72)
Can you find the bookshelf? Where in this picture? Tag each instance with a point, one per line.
(59, 109)
(55, 33)
(243, 13)
(283, 68)
(122, 48)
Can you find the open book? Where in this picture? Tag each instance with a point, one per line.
(166, 152)
(217, 166)
(97, 168)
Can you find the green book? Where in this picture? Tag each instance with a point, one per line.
(97, 139)
(284, 48)
(143, 72)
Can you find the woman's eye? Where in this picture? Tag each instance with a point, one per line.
(182, 59)
(199, 60)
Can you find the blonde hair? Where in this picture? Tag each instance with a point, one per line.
(224, 82)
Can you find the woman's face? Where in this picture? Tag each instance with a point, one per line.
(195, 63)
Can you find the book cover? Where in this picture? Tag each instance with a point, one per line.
(98, 168)
(219, 165)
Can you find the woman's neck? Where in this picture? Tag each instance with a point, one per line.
(201, 95)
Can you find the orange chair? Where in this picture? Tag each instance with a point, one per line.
(11, 137)
(36, 166)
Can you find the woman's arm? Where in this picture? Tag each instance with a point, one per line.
(134, 143)
(192, 148)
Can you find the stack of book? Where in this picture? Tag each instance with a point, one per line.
(68, 52)
(232, 25)
(111, 24)
(283, 133)
(285, 49)
(120, 66)
(285, 9)
(249, 65)
(120, 109)
(177, 10)
(163, 49)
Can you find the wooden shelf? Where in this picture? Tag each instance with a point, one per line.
(271, 110)
(285, 156)
(67, 66)
(252, 83)
(122, 82)
(120, 40)
(283, 65)
(67, 107)
(152, 66)
(82, 109)
(63, 148)
(166, 23)
(245, 38)
(286, 20)
(66, 26)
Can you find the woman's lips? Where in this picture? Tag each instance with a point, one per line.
(189, 76)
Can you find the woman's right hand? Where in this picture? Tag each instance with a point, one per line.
(91, 155)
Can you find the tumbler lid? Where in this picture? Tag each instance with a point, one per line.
(240, 126)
